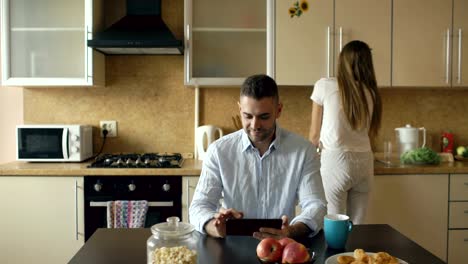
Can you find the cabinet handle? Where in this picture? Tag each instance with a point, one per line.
(328, 52)
(341, 38)
(187, 50)
(89, 35)
(76, 209)
(466, 183)
(447, 58)
(466, 239)
(459, 55)
(466, 211)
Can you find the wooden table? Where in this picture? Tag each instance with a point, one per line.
(115, 246)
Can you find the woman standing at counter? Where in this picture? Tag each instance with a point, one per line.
(346, 112)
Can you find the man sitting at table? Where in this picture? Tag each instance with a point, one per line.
(260, 171)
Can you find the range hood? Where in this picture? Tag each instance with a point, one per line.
(141, 31)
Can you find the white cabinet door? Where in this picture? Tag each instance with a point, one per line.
(368, 21)
(421, 43)
(42, 219)
(44, 43)
(460, 43)
(308, 46)
(225, 41)
(458, 246)
(415, 205)
(303, 45)
(189, 183)
(458, 219)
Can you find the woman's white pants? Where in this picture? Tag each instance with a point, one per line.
(347, 179)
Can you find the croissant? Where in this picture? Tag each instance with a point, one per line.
(345, 259)
(360, 257)
(360, 254)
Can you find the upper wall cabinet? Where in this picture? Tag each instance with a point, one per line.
(460, 45)
(307, 46)
(421, 42)
(369, 21)
(43, 43)
(226, 41)
(303, 44)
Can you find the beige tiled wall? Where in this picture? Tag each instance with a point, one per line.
(155, 111)
(11, 114)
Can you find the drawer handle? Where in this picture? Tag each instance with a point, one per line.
(466, 211)
(466, 183)
(466, 239)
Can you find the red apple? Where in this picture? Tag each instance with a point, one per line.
(295, 253)
(285, 241)
(269, 250)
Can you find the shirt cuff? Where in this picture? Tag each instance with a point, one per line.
(311, 224)
(201, 223)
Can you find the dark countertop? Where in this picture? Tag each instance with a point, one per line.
(116, 246)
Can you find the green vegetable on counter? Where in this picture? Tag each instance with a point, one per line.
(422, 155)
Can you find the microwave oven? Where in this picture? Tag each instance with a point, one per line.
(69, 143)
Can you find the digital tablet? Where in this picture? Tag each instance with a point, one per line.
(246, 227)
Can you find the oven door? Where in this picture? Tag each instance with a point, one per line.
(96, 214)
(161, 203)
(42, 144)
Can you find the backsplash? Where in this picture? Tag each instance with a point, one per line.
(155, 111)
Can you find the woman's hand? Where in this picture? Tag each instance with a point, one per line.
(216, 227)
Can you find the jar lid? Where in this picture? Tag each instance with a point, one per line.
(172, 229)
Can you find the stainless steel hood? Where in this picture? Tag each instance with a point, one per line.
(141, 31)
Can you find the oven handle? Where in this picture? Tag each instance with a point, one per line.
(150, 204)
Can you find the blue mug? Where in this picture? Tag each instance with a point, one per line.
(337, 228)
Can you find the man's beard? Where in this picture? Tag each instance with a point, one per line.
(264, 134)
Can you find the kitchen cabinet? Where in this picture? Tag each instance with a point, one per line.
(226, 41)
(458, 219)
(416, 205)
(460, 44)
(307, 47)
(44, 43)
(421, 50)
(189, 183)
(42, 219)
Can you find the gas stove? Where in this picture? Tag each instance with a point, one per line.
(135, 160)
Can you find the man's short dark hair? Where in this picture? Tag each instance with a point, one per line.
(259, 86)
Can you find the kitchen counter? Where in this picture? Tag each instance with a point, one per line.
(395, 167)
(192, 167)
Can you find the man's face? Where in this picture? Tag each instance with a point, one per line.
(259, 117)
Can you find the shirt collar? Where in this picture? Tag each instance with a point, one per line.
(246, 143)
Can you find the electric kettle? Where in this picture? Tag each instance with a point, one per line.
(408, 138)
(204, 136)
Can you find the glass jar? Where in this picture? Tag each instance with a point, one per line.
(173, 238)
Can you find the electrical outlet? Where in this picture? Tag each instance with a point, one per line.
(110, 126)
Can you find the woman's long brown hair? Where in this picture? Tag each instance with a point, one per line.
(355, 76)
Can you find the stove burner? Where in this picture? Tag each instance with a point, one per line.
(145, 160)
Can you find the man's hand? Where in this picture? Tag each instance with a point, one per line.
(216, 227)
(293, 231)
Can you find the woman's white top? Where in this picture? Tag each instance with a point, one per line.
(336, 132)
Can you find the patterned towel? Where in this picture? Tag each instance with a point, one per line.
(126, 214)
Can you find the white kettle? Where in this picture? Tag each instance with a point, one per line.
(204, 136)
(408, 138)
